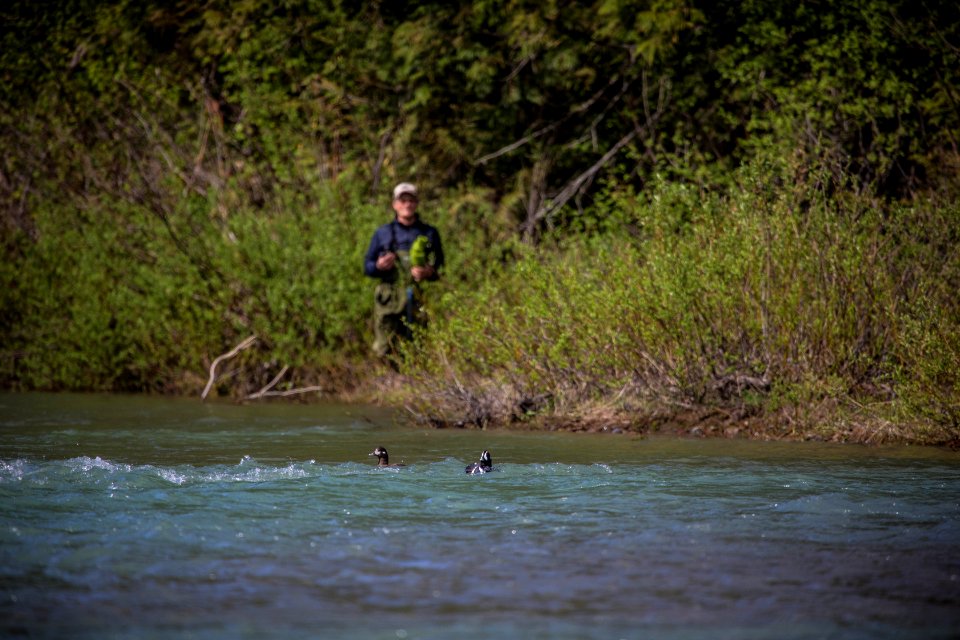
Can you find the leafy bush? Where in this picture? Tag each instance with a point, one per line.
(761, 297)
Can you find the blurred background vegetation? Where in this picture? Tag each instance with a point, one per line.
(650, 208)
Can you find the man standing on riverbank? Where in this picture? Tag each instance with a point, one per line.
(403, 254)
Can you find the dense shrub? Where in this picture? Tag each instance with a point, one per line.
(757, 299)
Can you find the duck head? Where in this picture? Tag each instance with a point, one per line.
(485, 464)
(383, 459)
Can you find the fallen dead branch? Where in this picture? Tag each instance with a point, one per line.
(226, 356)
(265, 390)
(288, 392)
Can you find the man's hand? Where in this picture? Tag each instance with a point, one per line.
(386, 261)
(422, 273)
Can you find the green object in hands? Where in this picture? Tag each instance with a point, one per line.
(418, 251)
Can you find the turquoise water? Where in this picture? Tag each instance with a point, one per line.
(130, 517)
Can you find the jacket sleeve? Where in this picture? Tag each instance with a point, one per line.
(377, 247)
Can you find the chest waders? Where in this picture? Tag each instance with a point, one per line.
(397, 305)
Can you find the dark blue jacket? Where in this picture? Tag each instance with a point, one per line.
(394, 236)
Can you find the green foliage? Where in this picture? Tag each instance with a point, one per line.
(929, 382)
(656, 201)
(927, 341)
(95, 318)
(139, 305)
(847, 82)
(745, 299)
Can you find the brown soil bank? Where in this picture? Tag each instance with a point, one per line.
(434, 404)
(827, 421)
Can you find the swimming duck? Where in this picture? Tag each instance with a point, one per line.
(484, 466)
(383, 459)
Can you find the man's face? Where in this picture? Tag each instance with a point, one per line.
(406, 208)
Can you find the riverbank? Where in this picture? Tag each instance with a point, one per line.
(826, 421)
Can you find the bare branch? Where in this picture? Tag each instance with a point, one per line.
(519, 143)
(226, 356)
(548, 206)
(381, 156)
(270, 385)
(592, 131)
(292, 392)
(574, 185)
(513, 74)
(580, 108)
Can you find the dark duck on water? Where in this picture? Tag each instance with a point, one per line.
(383, 458)
(484, 466)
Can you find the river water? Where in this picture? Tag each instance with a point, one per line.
(138, 517)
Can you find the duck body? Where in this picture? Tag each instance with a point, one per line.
(383, 458)
(485, 465)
